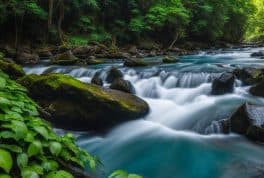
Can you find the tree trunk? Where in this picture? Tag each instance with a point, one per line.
(61, 17)
(51, 4)
(174, 40)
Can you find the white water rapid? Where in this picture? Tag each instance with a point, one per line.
(180, 137)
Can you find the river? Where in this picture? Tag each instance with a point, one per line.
(180, 137)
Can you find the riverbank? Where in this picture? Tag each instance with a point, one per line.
(96, 53)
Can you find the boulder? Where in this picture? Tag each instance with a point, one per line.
(169, 59)
(249, 76)
(93, 61)
(224, 84)
(44, 53)
(133, 50)
(66, 58)
(258, 89)
(248, 120)
(258, 54)
(9, 52)
(78, 106)
(123, 85)
(27, 58)
(134, 62)
(83, 51)
(97, 79)
(113, 74)
(13, 70)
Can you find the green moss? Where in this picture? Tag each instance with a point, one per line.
(169, 59)
(55, 84)
(13, 70)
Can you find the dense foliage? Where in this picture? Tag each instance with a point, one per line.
(256, 23)
(28, 145)
(123, 21)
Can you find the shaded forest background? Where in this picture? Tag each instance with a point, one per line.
(120, 22)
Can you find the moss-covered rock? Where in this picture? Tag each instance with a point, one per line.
(170, 59)
(13, 70)
(66, 58)
(79, 106)
(94, 61)
(249, 76)
(135, 62)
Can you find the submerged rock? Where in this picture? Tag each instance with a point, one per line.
(134, 62)
(248, 120)
(169, 59)
(258, 54)
(224, 84)
(66, 58)
(113, 74)
(13, 70)
(79, 106)
(123, 85)
(249, 76)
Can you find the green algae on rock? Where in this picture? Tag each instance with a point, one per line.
(79, 106)
(13, 70)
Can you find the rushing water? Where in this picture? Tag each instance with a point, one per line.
(180, 137)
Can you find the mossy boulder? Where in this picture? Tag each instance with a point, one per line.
(79, 106)
(170, 59)
(249, 76)
(66, 58)
(13, 70)
(135, 62)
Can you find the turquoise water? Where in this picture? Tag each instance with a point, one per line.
(180, 138)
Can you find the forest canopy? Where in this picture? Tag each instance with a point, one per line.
(128, 21)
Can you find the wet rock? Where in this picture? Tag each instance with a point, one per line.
(258, 89)
(63, 49)
(169, 59)
(123, 85)
(13, 70)
(93, 61)
(113, 74)
(83, 51)
(248, 120)
(66, 58)
(78, 106)
(44, 53)
(135, 62)
(249, 76)
(258, 54)
(26, 58)
(9, 52)
(133, 50)
(97, 79)
(224, 84)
